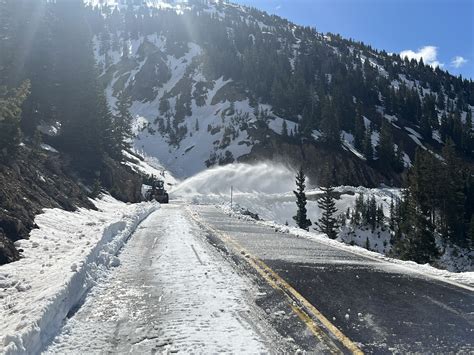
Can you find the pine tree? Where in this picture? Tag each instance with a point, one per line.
(418, 243)
(284, 129)
(78, 96)
(328, 223)
(359, 132)
(452, 197)
(444, 128)
(425, 125)
(380, 217)
(301, 214)
(385, 148)
(123, 121)
(415, 231)
(468, 134)
(330, 128)
(10, 115)
(306, 124)
(368, 148)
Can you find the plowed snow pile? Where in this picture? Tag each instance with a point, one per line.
(61, 261)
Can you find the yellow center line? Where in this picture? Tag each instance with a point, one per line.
(304, 310)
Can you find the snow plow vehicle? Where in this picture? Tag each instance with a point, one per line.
(157, 192)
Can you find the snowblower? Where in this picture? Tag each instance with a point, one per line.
(157, 192)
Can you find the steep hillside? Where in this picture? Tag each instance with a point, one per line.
(49, 93)
(213, 82)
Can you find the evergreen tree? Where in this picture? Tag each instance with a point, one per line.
(327, 223)
(380, 216)
(10, 115)
(368, 148)
(425, 126)
(416, 238)
(330, 128)
(418, 243)
(301, 214)
(453, 198)
(123, 121)
(78, 97)
(444, 128)
(371, 216)
(385, 148)
(306, 124)
(359, 132)
(284, 129)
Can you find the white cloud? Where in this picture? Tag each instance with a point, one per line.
(458, 61)
(278, 7)
(428, 53)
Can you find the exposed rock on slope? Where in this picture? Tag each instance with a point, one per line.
(39, 179)
(35, 180)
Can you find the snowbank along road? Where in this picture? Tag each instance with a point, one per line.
(193, 279)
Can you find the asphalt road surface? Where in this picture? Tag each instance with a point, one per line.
(379, 306)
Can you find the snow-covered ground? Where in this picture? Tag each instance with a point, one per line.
(61, 261)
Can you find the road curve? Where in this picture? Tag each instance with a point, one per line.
(379, 306)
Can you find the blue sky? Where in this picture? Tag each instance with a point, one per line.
(442, 31)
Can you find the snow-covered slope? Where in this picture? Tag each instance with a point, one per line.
(215, 128)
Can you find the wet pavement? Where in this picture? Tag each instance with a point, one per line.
(380, 306)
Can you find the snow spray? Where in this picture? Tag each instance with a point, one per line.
(261, 178)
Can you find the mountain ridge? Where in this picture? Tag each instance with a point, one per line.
(187, 69)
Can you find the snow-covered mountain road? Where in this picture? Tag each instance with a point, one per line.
(195, 280)
(173, 292)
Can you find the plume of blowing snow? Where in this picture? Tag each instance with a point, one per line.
(263, 178)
